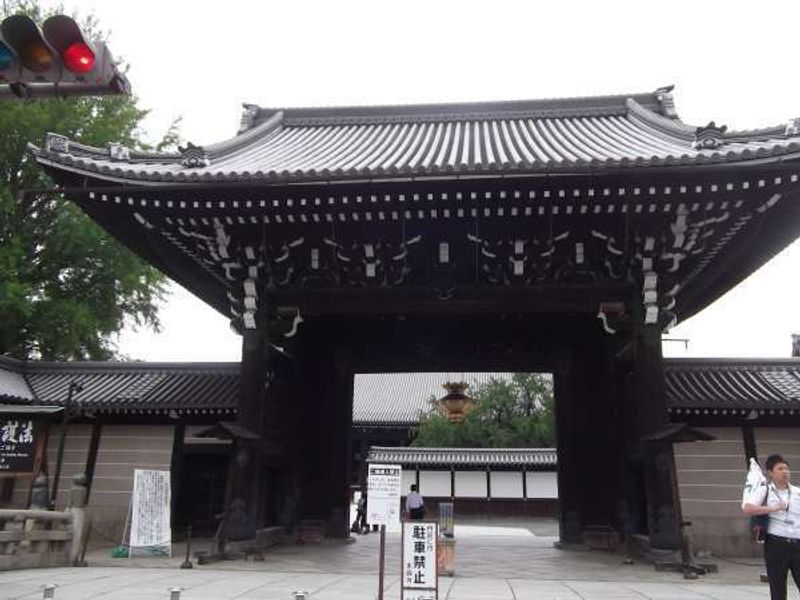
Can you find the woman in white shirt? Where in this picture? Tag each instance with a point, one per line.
(781, 501)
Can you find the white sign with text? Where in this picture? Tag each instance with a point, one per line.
(150, 513)
(419, 578)
(383, 494)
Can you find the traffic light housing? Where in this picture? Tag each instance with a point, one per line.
(56, 60)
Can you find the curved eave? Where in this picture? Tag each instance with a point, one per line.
(777, 154)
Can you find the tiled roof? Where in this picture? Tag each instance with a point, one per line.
(473, 457)
(692, 385)
(400, 398)
(695, 384)
(13, 387)
(136, 387)
(574, 135)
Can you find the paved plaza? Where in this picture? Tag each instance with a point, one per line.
(493, 563)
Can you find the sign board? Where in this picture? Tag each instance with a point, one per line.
(150, 513)
(19, 438)
(383, 494)
(420, 576)
(419, 595)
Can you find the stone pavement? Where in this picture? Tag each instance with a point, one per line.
(492, 564)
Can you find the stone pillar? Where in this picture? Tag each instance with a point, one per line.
(78, 498)
(40, 496)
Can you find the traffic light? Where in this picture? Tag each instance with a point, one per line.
(57, 60)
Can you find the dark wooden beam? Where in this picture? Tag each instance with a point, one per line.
(91, 456)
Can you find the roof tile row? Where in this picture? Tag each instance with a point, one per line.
(471, 457)
(379, 399)
(314, 144)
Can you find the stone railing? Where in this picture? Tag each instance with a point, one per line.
(35, 538)
(44, 538)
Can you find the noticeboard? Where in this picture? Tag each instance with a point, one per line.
(383, 494)
(20, 442)
(150, 513)
(419, 579)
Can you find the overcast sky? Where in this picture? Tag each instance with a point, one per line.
(732, 62)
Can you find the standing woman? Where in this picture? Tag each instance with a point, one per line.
(781, 501)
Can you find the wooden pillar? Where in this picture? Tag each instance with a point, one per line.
(178, 436)
(324, 424)
(589, 437)
(6, 491)
(524, 483)
(91, 457)
(246, 462)
(647, 414)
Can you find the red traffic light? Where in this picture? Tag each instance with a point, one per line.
(56, 60)
(65, 36)
(79, 58)
(24, 36)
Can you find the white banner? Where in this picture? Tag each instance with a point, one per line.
(419, 559)
(383, 494)
(150, 513)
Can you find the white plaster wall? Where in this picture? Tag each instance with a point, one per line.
(542, 484)
(434, 483)
(471, 484)
(407, 477)
(506, 484)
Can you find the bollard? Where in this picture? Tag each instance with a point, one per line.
(49, 590)
(300, 595)
(175, 593)
(187, 564)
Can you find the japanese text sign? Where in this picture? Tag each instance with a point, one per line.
(150, 515)
(383, 494)
(18, 437)
(419, 559)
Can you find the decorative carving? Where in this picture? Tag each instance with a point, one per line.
(249, 116)
(194, 156)
(709, 137)
(667, 101)
(661, 246)
(54, 142)
(793, 127)
(118, 152)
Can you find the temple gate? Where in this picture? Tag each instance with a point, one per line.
(557, 235)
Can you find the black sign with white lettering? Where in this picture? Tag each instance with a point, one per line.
(18, 436)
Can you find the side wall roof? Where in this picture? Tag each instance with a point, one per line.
(693, 386)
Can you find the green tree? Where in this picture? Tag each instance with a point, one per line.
(65, 286)
(509, 413)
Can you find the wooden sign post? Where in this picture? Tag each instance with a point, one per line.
(383, 506)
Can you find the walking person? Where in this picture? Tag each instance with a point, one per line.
(780, 500)
(361, 514)
(415, 505)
